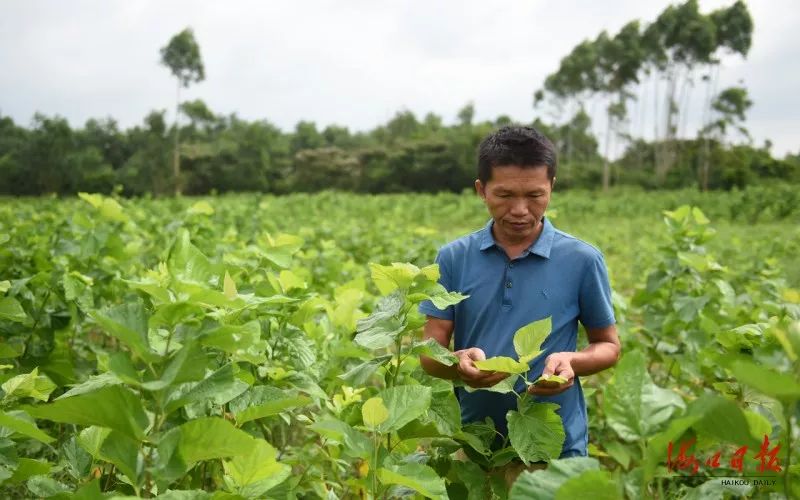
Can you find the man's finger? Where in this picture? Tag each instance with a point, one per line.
(550, 365)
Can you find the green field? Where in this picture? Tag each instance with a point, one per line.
(240, 347)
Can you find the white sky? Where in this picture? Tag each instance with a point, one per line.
(352, 63)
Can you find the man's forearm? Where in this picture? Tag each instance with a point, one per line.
(436, 369)
(595, 358)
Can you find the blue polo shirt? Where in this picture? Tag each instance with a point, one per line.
(558, 276)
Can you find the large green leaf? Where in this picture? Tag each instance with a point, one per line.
(381, 328)
(599, 482)
(27, 468)
(11, 310)
(418, 477)
(502, 364)
(405, 403)
(782, 386)
(360, 374)
(186, 365)
(254, 473)
(434, 350)
(543, 484)
(17, 422)
(390, 278)
(128, 323)
(528, 340)
(635, 407)
(201, 439)
(187, 264)
(536, 431)
(218, 388)
(264, 401)
(114, 407)
(444, 412)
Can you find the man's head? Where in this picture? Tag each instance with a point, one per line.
(517, 146)
(516, 172)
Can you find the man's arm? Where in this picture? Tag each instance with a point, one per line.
(602, 352)
(441, 330)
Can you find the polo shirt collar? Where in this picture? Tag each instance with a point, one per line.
(540, 247)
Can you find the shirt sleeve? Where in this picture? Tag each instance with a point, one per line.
(596, 309)
(427, 307)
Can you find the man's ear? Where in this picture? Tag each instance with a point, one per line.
(553, 183)
(480, 189)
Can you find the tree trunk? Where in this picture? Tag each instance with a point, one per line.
(606, 166)
(176, 156)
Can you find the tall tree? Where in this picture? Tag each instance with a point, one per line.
(182, 56)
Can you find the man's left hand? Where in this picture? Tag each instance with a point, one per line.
(558, 363)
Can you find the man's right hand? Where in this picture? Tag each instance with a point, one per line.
(470, 374)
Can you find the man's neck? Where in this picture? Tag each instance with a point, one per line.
(514, 249)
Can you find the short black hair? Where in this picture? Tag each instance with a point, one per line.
(518, 146)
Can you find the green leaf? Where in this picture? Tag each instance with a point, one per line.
(634, 406)
(434, 350)
(360, 374)
(201, 207)
(354, 444)
(553, 379)
(390, 278)
(108, 208)
(188, 264)
(256, 472)
(405, 403)
(197, 440)
(16, 421)
(536, 432)
(528, 340)
(599, 482)
(374, 413)
(503, 387)
(381, 328)
(43, 486)
(235, 339)
(218, 388)
(172, 314)
(114, 407)
(27, 468)
(113, 447)
(28, 385)
(12, 310)
(781, 386)
(418, 477)
(128, 323)
(444, 412)
(229, 287)
(543, 484)
(264, 401)
(186, 365)
(502, 364)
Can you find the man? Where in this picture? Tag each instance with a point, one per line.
(516, 270)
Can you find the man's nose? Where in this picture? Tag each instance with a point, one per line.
(519, 207)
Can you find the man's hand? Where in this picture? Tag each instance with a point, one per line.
(470, 374)
(558, 363)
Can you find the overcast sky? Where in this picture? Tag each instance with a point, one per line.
(352, 63)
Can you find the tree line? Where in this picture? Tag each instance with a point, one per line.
(208, 152)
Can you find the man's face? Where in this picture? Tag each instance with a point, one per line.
(516, 198)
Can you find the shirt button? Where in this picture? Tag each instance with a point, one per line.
(508, 284)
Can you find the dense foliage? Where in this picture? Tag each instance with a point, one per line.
(258, 346)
